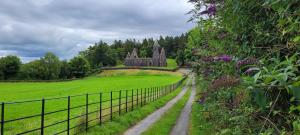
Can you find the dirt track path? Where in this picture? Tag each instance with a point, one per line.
(152, 118)
(182, 123)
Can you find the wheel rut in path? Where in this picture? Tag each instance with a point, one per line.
(182, 123)
(152, 118)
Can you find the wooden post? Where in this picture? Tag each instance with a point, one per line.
(137, 97)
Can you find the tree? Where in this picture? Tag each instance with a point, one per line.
(9, 66)
(79, 66)
(31, 71)
(65, 70)
(180, 58)
(100, 55)
(51, 66)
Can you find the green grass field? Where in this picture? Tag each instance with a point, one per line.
(104, 82)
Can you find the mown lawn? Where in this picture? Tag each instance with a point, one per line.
(104, 82)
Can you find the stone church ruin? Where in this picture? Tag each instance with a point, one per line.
(158, 58)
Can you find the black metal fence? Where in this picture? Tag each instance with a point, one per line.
(74, 114)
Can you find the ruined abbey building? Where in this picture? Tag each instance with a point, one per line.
(158, 58)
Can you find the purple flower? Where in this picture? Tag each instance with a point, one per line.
(202, 100)
(225, 58)
(211, 10)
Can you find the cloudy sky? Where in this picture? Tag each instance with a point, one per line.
(29, 28)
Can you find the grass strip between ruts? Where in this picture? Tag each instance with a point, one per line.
(168, 120)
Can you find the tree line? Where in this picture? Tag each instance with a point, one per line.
(50, 67)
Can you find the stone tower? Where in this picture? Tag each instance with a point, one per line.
(155, 55)
(134, 54)
(162, 58)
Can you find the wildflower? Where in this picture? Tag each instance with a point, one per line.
(211, 10)
(225, 58)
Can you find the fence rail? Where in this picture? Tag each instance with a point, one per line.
(74, 117)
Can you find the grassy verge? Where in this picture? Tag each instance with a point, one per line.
(198, 123)
(123, 122)
(168, 120)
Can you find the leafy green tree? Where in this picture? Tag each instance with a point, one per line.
(51, 66)
(31, 71)
(65, 70)
(79, 66)
(100, 55)
(180, 58)
(9, 66)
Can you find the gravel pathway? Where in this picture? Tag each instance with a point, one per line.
(152, 118)
(182, 124)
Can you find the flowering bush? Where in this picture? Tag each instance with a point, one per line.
(232, 29)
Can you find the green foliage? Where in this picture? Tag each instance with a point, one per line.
(100, 55)
(79, 67)
(50, 66)
(31, 70)
(9, 66)
(268, 30)
(65, 70)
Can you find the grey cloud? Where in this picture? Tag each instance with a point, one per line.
(29, 28)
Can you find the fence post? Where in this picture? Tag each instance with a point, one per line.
(141, 97)
(69, 104)
(131, 99)
(159, 92)
(43, 116)
(145, 96)
(87, 112)
(111, 106)
(2, 119)
(137, 98)
(153, 92)
(126, 99)
(100, 109)
(120, 94)
(148, 95)
(156, 93)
